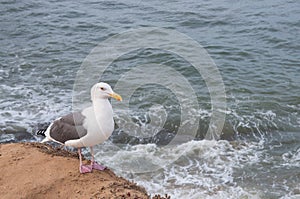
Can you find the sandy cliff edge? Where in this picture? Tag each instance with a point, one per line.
(34, 170)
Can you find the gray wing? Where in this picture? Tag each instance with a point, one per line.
(68, 127)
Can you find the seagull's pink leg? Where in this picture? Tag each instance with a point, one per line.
(94, 164)
(83, 168)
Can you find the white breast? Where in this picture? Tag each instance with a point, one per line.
(99, 123)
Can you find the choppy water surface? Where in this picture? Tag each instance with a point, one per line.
(256, 46)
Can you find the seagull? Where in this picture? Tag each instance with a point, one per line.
(91, 126)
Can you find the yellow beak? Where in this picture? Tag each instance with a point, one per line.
(116, 96)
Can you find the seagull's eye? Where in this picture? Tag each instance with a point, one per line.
(102, 88)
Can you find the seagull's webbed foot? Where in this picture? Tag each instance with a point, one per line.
(94, 164)
(97, 166)
(85, 168)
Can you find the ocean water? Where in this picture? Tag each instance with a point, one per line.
(254, 45)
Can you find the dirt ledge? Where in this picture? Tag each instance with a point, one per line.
(34, 170)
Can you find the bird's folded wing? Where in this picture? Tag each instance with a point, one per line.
(68, 127)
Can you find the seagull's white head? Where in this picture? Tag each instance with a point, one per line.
(103, 91)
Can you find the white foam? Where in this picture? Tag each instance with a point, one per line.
(34, 105)
(197, 169)
(291, 159)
